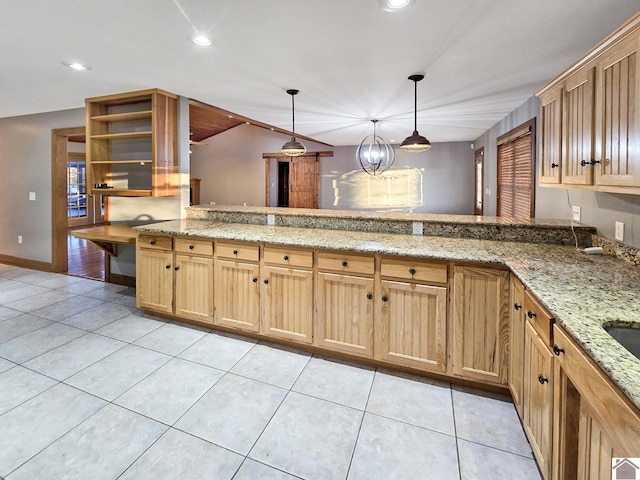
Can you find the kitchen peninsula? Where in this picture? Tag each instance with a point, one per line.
(361, 285)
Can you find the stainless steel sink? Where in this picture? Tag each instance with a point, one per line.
(628, 337)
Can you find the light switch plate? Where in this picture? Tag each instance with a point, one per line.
(417, 228)
(620, 231)
(32, 196)
(575, 212)
(271, 219)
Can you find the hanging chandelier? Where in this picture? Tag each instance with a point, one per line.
(415, 143)
(374, 154)
(293, 148)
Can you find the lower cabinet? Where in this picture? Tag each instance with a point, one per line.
(193, 277)
(480, 323)
(237, 294)
(154, 280)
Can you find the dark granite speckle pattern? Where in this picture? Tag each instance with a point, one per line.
(583, 292)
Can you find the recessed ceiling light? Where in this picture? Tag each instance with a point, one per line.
(200, 39)
(77, 66)
(395, 5)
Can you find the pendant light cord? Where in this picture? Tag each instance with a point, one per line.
(415, 106)
(293, 114)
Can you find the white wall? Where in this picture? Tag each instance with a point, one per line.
(600, 210)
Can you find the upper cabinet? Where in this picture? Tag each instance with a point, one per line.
(589, 119)
(131, 144)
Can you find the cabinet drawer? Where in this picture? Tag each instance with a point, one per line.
(414, 271)
(157, 242)
(196, 247)
(540, 319)
(238, 251)
(346, 263)
(288, 257)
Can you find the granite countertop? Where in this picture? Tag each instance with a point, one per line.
(583, 292)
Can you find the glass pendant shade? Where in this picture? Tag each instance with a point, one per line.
(415, 143)
(293, 148)
(374, 154)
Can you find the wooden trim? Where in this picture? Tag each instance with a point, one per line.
(267, 181)
(478, 153)
(26, 263)
(59, 223)
(133, 96)
(120, 279)
(527, 127)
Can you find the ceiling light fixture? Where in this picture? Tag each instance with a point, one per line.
(395, 5)
(293, 148)
(77, 66)
(415, 143)
(374, 154)
(201, 40)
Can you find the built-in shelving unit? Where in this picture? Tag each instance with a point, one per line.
(131, 144)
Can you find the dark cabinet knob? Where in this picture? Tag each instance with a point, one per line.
(584, 163)
(595, 162)
(542, 379)
(554, 165)
(176, 268)
(152, 242)
(369, 296)
(412, 271)
(516, 306)
(530, 314)
(344, 263)
(255, 279)
(190, 247)
(235, 252)
(286, 258)
(557, 350)
(167, 267)
(385, 298)
(266, 282)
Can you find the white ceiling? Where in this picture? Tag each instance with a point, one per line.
(349, 59)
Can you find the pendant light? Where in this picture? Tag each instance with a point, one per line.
(374, 154)
(293, 148)
(415, 143)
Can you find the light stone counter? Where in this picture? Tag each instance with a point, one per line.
(583, 292)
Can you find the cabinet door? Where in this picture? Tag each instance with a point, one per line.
(481, 324)
(194, 287)
(288, 304)
(551, 135)
(516, 342)
(538, 398)
(618, 84)
(344, 319)
(237, 295)
(579, 128)
(154, 280)
(412, 330)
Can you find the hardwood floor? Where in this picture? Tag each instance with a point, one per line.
(85, 259)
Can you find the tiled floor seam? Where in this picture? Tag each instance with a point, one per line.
(455, 432)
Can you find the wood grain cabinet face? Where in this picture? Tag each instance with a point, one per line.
(480, 322)
(154, 280)
(344, 320)
(517, 320)
(551, 136)
(412, 330)
(237, 295)
(194, 287)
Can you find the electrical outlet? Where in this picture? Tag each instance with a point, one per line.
(271, 219)
(575, 212)
(487, 191)
(417, 228)
(20, 239)
(620, 231)
(32, 196)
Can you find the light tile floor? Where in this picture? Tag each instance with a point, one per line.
(92, 388)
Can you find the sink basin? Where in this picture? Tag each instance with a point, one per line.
(628, 337)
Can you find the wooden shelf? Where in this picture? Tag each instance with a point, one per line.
(112, 162)
(120, 117)
(120, 192)
(114, 136)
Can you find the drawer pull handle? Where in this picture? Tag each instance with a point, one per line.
(369, 296)
(542, 380)
(167, 267)
(152, 242)
(255, 279)
(412, 271)
(191, 247)
(266, 282)
(530, 314)
(385, 298)
(235, 252)
(344, 263)
(286, 258)
(557, 350)
(554, 165)
(516, 306)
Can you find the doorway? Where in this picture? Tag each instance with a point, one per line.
(478, 204)
(283, 183)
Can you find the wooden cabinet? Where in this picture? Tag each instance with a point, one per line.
(517, 321)
(551, 135)
(480, 323)
(288, 294)
(131, 144)
(345, 303)
(194, 302)
(154, 280)
(411, 328)
(237, 287)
